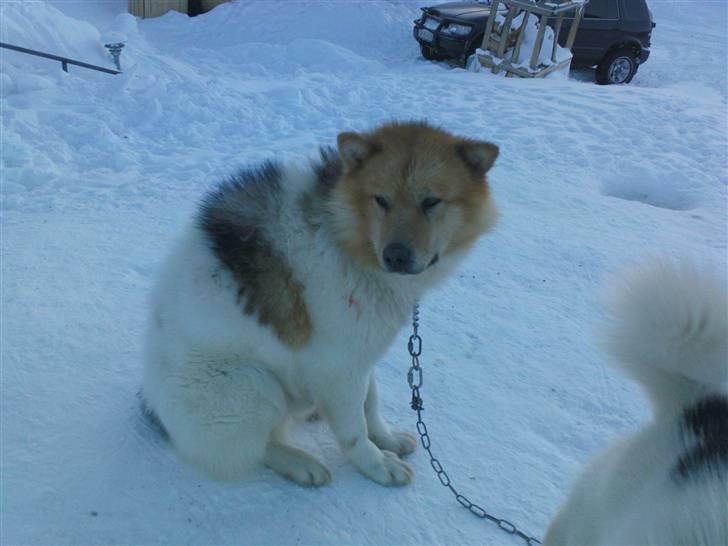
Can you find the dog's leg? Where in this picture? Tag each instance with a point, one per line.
(578, 520)
(400, 443)
(296, 465)
(221, 416)
(342, 403)
(555, 534)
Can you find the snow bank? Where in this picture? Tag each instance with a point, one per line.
(40, 26)
(373, 30)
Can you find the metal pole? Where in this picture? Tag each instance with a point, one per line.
(65, 61)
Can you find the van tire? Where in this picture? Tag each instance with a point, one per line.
(617, 67)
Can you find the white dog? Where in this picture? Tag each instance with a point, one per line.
(292, 283)
(668, 483)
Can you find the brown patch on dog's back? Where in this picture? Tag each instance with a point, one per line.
(231, 219)
(266, 285)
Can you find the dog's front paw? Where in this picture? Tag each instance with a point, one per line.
(388, 470)
(401, 443)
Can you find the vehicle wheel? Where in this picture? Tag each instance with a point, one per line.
(428, 54)
(617, 67)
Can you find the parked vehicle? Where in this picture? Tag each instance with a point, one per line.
(614, 35)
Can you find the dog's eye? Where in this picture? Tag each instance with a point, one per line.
(382, 202)
(429, 203)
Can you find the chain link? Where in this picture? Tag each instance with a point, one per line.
(414, 379)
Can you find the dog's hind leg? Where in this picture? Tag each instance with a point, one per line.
(555, 535)
(296, 465)
(220, 416)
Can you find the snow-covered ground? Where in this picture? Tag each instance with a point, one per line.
(99, 172)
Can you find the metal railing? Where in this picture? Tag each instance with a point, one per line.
(65, 61)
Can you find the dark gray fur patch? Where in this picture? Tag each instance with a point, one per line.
(707, 421)
(152, 419)
(328, 170)
(232, 219)
(244, 199)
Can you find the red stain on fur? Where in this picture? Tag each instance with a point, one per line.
(355, 304)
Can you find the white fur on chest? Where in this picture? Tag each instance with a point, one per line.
(355, 314)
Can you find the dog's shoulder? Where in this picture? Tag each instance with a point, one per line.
(237, 220)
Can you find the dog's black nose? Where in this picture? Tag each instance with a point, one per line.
(398, 258)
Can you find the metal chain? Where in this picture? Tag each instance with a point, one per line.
(414, 378)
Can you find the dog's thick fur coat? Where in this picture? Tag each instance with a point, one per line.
(292, 283)
(668, 483)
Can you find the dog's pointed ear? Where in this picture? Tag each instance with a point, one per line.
(478, 155)
(353, 149)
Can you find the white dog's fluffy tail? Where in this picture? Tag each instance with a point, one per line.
(670, 331)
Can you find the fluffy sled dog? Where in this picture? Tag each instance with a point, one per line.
(289, 286)
(668, 483)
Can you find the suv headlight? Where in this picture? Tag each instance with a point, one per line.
(457, 30)
(430, 23)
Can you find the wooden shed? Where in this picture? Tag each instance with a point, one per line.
(155, 8)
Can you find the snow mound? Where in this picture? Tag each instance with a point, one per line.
(651, 188)
(301, 55)
(373, 29)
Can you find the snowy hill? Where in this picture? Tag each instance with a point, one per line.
(100, 172)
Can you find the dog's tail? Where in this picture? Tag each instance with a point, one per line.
(669, 330)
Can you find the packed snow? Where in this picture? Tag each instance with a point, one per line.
(100, 172)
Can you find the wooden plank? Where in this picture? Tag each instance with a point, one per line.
(489, 25)
(541, 73)
(207, 5)
(521, 34)
(506, 31)
(155, 8)
(574, 25)
(136, 8)
(545, 8)
(504, 34)
(557, 30)
(488, 62)
(539, 42)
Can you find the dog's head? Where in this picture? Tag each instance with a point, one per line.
(411, 196)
